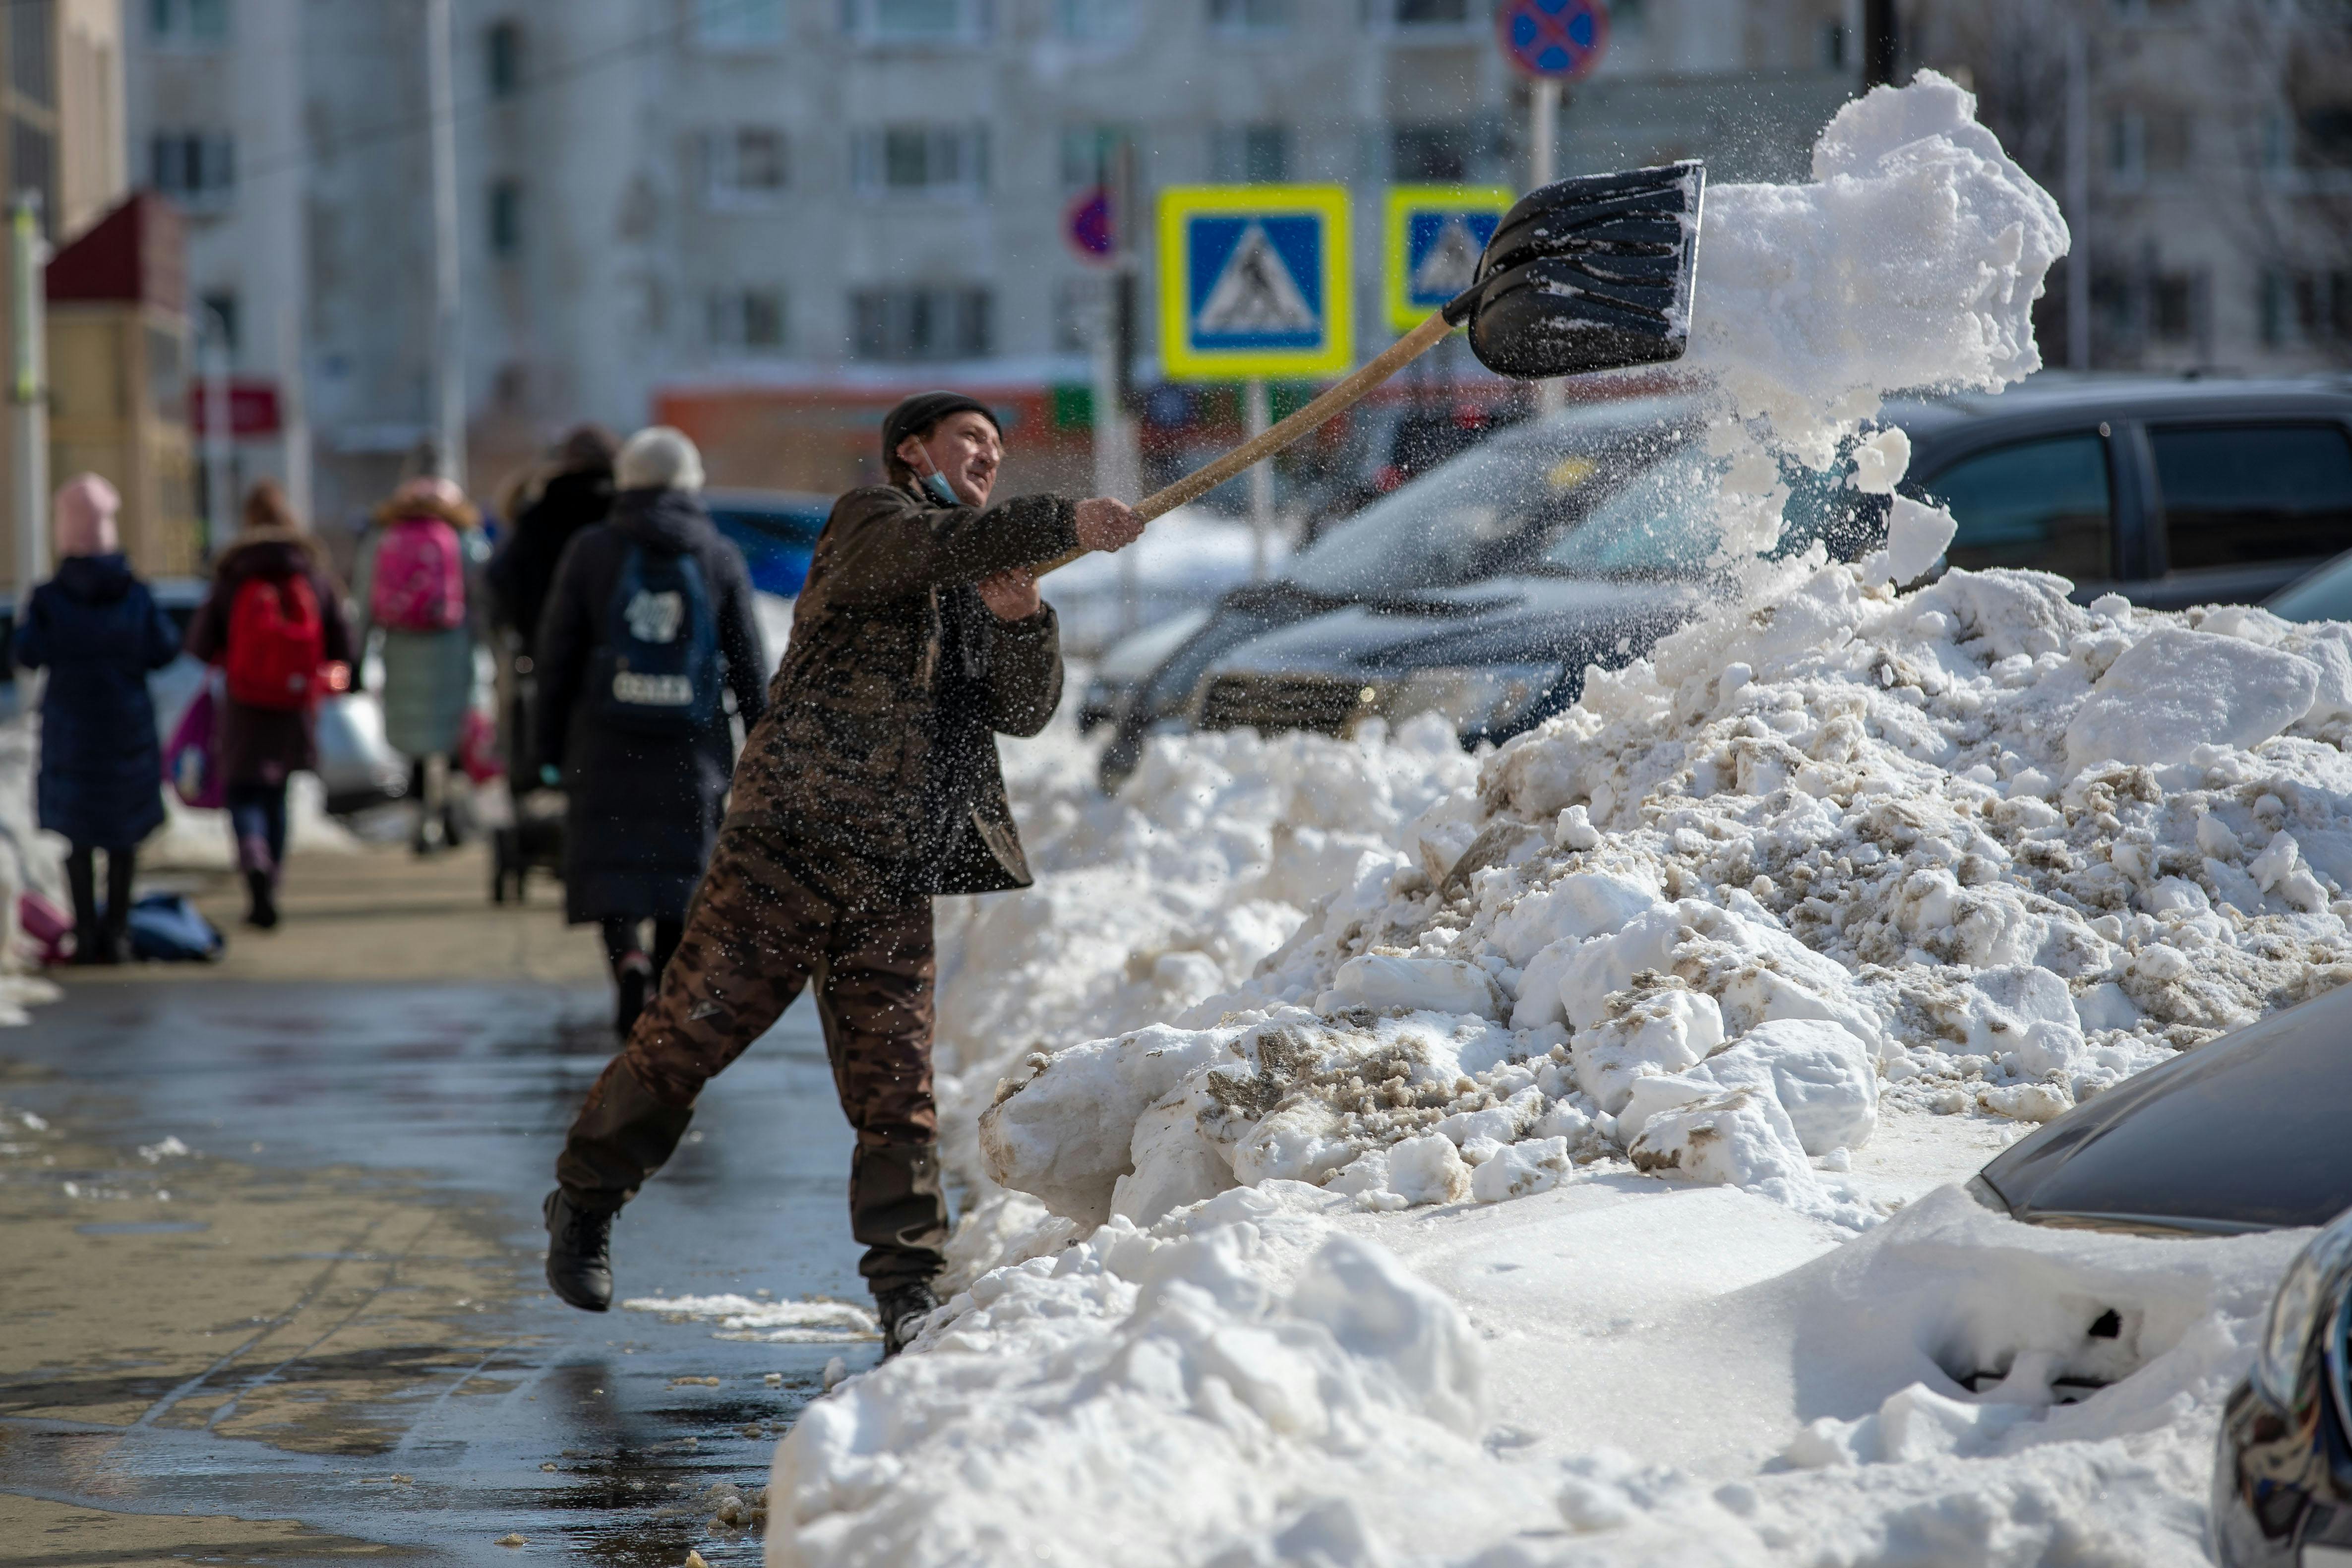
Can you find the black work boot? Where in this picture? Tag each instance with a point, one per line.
(579, 1253)
(902, 1310)
(262, 891)
(633, 978)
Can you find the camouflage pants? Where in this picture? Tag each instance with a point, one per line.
(756, 935)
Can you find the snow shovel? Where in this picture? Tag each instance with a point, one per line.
(1586, 274)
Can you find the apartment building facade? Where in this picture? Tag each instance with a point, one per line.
(773, 216)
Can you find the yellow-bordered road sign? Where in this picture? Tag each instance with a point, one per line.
(1435, 234)
(1254, 282)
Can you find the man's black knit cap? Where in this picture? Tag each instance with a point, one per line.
(919, 413)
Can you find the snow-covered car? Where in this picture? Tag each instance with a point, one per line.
(1482, 590)
(2244, 1133)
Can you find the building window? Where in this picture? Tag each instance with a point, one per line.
(739, 23)
(911, 325)
(2325, 139)
(1249, 155)
(1079, 311)
(746, 165)
(2172, 307)
(2127, 149)
(217, 324)
(1448, 14)
(31, 52)
(196, 168)
(749, 319)
(1251, 15)
(920, 160)
(506, 217)
(1436, 154)
(1830, 50)
(917, 21)
(188, 21)
(1091, 154)
(502, 52)
(1095, 21)
(2167, 141)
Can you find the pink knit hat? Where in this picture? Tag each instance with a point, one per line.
(85, 508)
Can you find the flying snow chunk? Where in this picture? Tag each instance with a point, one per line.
(1916, 535)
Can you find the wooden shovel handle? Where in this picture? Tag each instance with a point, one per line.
(1344, 396)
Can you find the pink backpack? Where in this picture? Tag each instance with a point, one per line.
(420, 577)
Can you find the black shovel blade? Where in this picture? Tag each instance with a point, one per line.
(1592, 273)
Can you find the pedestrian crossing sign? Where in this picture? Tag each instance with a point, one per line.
(1435, 236)
(1254, 281)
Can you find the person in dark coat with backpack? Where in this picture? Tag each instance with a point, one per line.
(648, 622)
(274, 620)
(96, 630)
(577, 495)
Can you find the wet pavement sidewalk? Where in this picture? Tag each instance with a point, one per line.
(272, 1289)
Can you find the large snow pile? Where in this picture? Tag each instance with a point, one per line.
(1563, 1186)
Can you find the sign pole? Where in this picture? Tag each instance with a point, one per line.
(29, 390)
(213, 351)
(1543, 122)
(1257, 417)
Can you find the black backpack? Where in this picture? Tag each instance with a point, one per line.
(657, 669)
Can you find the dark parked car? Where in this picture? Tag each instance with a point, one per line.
(2244, 1133)
(1482, 590)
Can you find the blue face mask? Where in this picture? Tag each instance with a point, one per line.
(936, 483)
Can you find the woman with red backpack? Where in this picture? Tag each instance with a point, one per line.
(413, 581)
(274, 622)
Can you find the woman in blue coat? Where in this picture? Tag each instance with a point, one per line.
(96, 630)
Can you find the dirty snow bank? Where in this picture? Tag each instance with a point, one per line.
(1530, 1203)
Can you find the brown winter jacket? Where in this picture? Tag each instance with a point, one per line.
(875, 768)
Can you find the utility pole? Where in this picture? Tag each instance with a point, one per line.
(2078, 198)
(1543, 124)
(213, 353)
(1882, 43)
(448, 347)
(28, 389)
(1116, 471)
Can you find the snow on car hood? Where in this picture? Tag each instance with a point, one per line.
(1542, 1158)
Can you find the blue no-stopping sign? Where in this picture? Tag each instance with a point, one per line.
(1558, 39)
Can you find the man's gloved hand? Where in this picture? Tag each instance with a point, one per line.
(551, 775)
(1106, 524)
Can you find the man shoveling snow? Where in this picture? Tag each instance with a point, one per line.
(870, 786)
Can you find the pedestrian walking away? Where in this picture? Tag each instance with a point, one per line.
(648, 626)
(870, 784)
(415, 583)
(578, 494)
(274, 621)
(96, 630)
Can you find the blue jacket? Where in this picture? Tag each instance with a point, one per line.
(98, 631)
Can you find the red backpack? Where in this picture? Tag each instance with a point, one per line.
(277, 643)
(420, 577)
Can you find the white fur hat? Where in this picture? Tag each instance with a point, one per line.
(658, 458)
